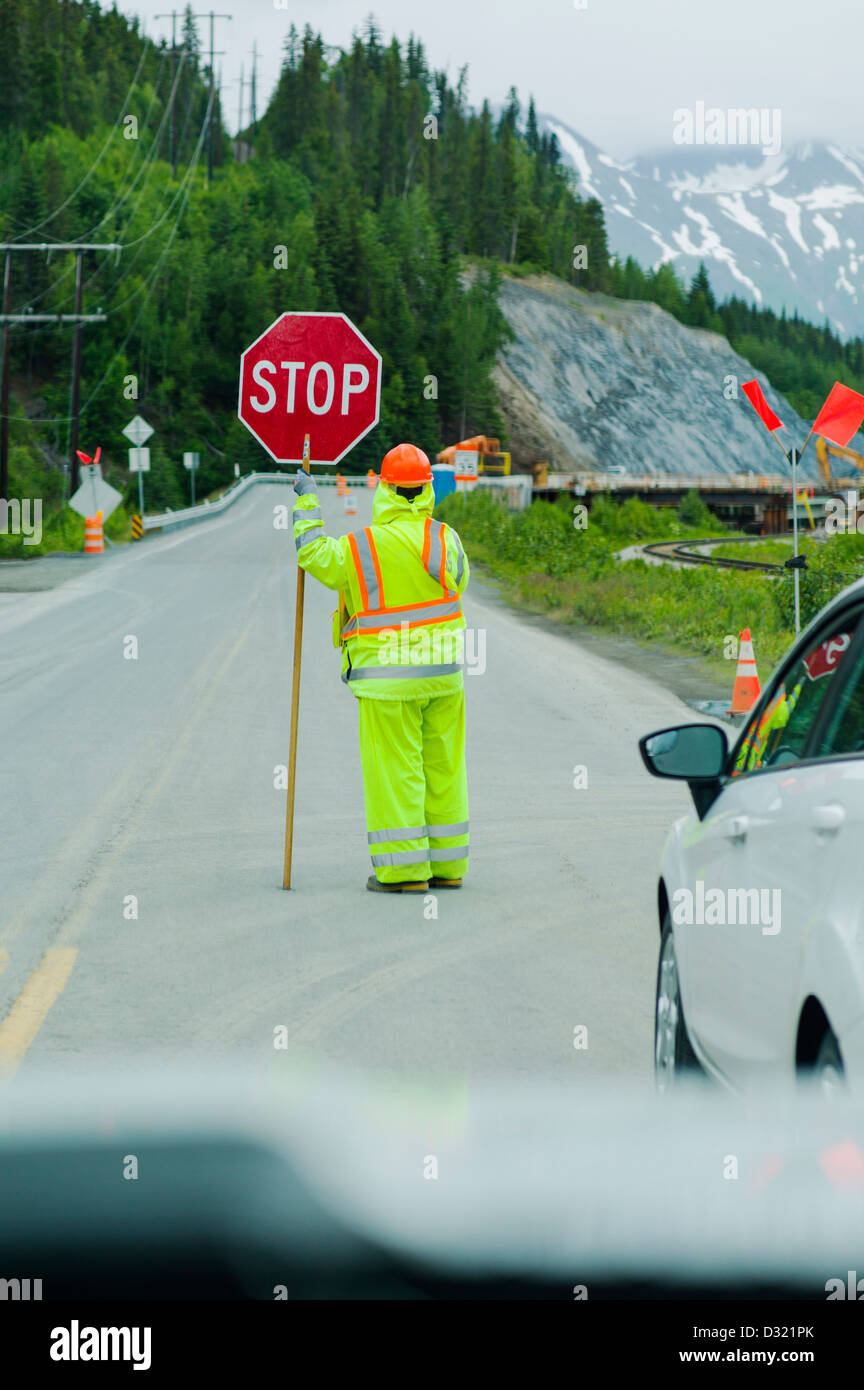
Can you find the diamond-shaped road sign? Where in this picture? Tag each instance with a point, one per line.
(94, 495)
(138, 431)
(310, 373)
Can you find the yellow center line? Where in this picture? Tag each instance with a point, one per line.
(28, 1013)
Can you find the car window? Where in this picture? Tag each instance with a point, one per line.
(844, 732)
(777, 734)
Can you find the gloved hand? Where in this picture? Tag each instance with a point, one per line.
(303, 483)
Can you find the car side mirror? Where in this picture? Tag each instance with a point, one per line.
(688, 752)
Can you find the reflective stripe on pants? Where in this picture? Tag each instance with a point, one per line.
(413, 758)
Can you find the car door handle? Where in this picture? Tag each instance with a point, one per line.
(735, 828)
(829, 817)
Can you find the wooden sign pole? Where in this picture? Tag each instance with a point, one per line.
(295, 705)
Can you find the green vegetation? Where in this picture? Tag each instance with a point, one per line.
(766, 552)
(572, 576)
(831, 566)
(696, 513)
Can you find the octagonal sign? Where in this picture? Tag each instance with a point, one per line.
(310, 373)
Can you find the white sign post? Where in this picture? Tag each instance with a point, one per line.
(138, 432)
(139, 462)
(192, 461)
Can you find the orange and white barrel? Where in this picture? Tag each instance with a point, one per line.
(94, 541)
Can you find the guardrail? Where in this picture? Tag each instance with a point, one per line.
(188, 516)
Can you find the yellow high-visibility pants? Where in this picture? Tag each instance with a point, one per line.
(415, 788)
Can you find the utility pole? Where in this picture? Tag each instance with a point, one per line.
(254, 107)
(76, 370)
(173, 16)
(4, 384)
(240, 105)
(78, 319)
(212, 16)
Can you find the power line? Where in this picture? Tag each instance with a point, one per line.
(186, 188)
(94, 393)
(149, 158)
(94, 166)
(118, 202)
(53, 246)
(77, 319)
(149, 165)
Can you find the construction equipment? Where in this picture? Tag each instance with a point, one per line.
(803, 496)
(540, 473)
(823, 450)
(491, 460)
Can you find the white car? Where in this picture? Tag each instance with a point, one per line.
(761, 890)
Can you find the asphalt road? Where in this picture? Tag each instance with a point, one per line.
(146, 786)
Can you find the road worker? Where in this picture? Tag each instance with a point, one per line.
(759, 748)
(400, 628)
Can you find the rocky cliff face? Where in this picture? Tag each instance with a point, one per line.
(591, 382)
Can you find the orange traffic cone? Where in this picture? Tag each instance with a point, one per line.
(747, 689)
(341, 486)
(371, 478)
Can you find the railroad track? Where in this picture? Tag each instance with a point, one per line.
(683, 552)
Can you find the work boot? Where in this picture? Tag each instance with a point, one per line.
(445, 883)
(375, 886)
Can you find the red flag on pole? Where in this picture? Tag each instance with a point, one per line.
(841, 415)
(755, 395)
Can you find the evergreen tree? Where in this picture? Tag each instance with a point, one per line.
(11, 54)
(532, 138)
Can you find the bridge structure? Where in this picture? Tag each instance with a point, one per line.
(760, 502)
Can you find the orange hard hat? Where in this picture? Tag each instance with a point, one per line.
(406, 466)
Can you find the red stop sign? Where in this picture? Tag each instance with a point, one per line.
(310, 374)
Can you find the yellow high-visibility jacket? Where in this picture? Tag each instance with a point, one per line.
(399, 622)
(775, 717)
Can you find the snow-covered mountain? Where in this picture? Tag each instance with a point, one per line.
(785, 231)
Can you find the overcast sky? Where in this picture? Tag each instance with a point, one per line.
(614, 70)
